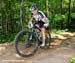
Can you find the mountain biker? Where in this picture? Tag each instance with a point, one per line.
(41, 21)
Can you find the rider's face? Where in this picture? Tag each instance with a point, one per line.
(34, 12)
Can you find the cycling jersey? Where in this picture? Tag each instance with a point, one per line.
(39, 17)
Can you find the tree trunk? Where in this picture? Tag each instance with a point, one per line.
(61, 6)
(69, 14)
(47, 9)
(4, 21)
(61, 11)
(21, 14)
(0, 20)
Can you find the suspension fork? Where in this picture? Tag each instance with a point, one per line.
(32, 33)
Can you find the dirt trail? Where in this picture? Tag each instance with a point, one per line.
(61, 49)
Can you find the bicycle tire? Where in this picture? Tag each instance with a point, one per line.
(48, 38)
(16, 44)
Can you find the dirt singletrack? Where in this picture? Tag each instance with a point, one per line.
(61, 49)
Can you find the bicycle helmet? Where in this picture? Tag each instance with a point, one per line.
(33, 7)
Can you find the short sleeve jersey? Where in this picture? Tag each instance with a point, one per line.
(40, 16)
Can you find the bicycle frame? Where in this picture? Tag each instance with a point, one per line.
(34, 32)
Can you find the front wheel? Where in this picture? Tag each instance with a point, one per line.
(25, 47)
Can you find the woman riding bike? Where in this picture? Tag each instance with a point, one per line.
(41, 21)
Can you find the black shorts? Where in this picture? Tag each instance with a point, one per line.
(40, 23)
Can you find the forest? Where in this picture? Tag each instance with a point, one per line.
(14, 15)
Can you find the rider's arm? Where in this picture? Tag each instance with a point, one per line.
(30, 20)
(43, 19)
(30, 25)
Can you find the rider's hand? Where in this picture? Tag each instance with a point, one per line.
(37, 25)
(30, 25)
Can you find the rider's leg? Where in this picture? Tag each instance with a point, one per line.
(37, 25)
(43, 36)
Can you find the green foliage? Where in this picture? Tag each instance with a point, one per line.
(10, 22)
(7, 38)
(72, 60)
(73, 15)
(58, 31)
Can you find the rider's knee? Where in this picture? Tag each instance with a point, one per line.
(42, 30)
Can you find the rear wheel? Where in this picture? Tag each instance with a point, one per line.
(25, 47)
(48, 38)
